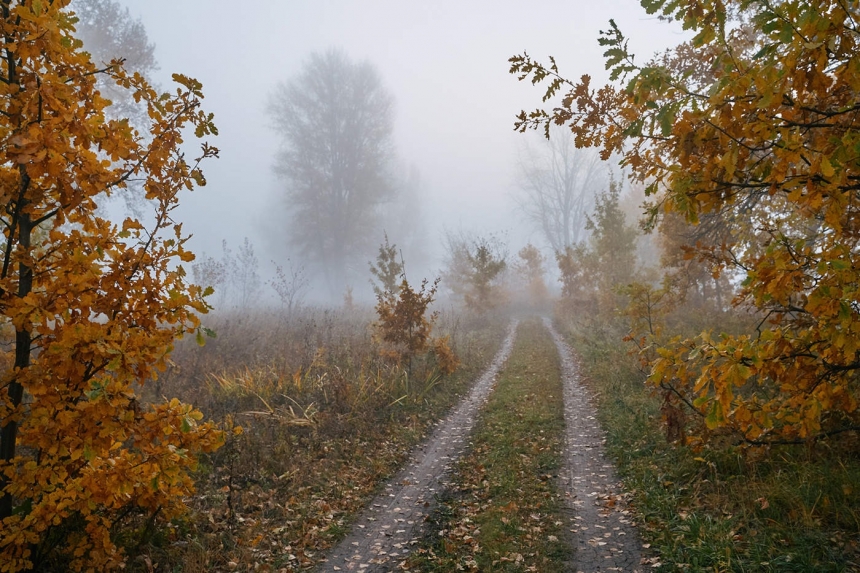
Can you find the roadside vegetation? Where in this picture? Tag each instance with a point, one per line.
(735, 418)
(722, 507)
(726, 364)
(503, 511)
(324, 420)
(705, 498)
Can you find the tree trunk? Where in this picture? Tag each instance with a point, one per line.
(23, 338)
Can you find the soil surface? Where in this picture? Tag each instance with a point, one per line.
(601, 526)
(604, 536)
(383, 535)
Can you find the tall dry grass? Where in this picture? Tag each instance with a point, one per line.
(324, 421)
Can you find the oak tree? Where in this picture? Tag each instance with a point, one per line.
(404, 325)
(89, 308)
(691, 258)
(755, 120)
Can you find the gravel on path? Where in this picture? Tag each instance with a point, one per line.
(604, 534)
(385, 532)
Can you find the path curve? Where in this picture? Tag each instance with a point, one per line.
(384, 533)
(605, 537)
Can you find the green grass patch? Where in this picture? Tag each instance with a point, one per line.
(723, 508)
(504, 512)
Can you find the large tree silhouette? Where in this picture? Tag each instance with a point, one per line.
(335, 121)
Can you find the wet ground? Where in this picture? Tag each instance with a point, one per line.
(601, 526)
(385, 533)
(605, 538)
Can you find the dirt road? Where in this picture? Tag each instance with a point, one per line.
(383, 535)
(602, 530)
(604, 535)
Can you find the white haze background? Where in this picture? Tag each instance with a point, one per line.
(445, 62)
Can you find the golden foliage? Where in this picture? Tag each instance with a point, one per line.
(95, 306)
(754, 122)
(446, 360)
(403, 328)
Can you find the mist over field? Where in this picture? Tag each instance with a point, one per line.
(454, 156)
(283, 288)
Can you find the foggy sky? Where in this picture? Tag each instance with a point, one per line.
(445, 62)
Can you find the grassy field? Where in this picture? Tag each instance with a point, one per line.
(324, 421)
(504, 512)
(791, 508)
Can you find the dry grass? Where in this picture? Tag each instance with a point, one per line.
(324, 421)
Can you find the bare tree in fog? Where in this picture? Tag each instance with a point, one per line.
(289, 285)
(558, 185)
(244, 272)
(208, 272)
(235, 278)
(109, 33)
(335, 119)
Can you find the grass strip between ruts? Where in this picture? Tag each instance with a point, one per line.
(503, 511)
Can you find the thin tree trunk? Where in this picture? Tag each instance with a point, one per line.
(23, 338)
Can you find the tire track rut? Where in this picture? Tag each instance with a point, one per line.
(384, 533)
(605, 538)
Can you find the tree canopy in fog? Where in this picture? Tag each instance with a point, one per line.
(335, 119)
(558, 184)
(109, 32)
